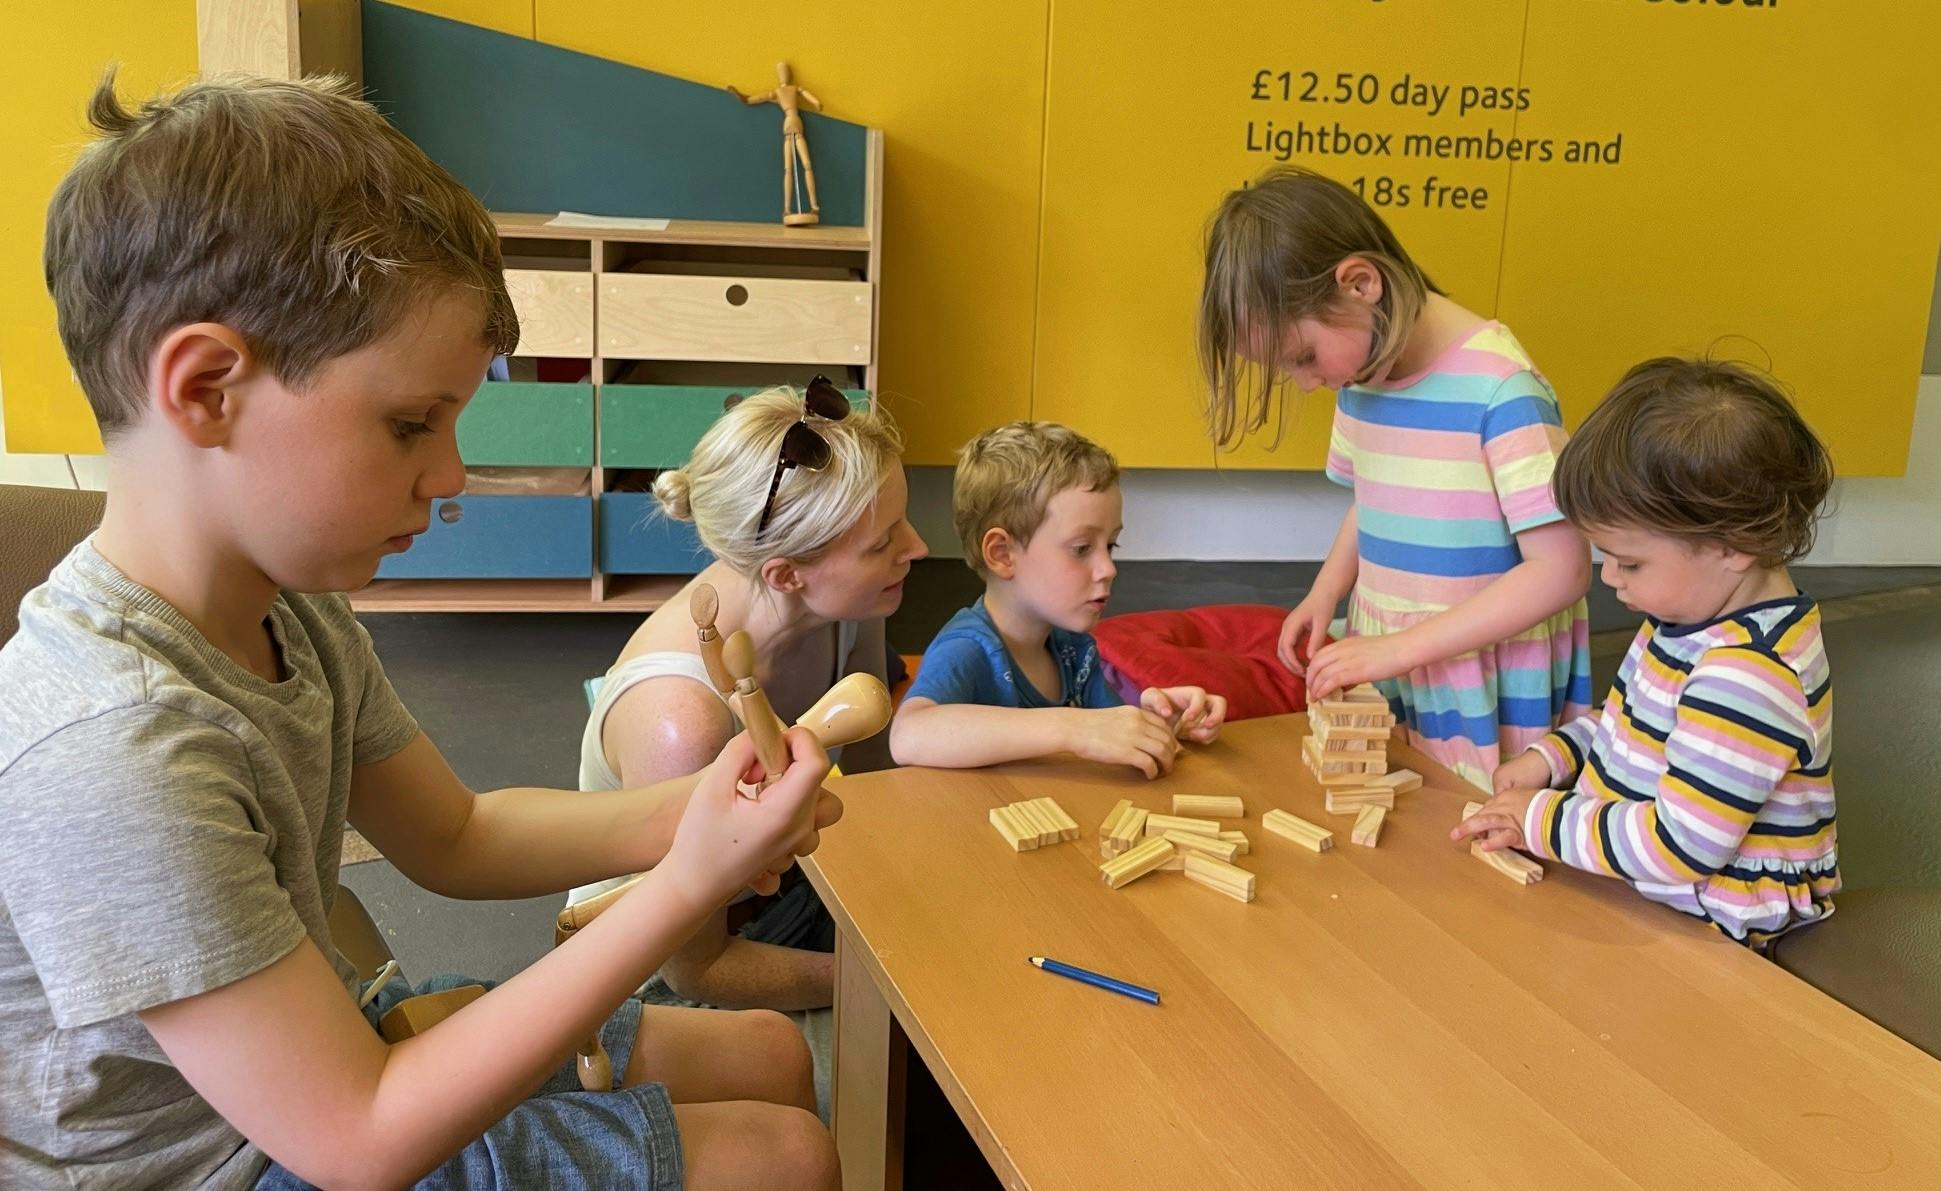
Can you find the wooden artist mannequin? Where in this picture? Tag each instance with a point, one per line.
(856, 707)
(795, 145)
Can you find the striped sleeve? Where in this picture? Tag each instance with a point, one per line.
(1523, 433)
(1564, 750)
(1341, 455)
(1741, 725)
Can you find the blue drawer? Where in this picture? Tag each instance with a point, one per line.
(502, 537)
(636, 538)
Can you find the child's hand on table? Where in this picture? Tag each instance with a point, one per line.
(1499, 822)
(1122, 736)
(1526, 771)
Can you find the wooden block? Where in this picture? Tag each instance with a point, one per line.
(1067, 826)
(414, 1015)
(1209, 806)
(1368, 825)
(1033, 814)
(1365, 692)
(1126, 831)
(1470, 808)
(1157, 824)
(1230, 879)
(1017, 831)
(1238, 839)
(1329, 731)
(1144, 858)
(1402, 781)
(1514, 865)
(1302, 832)
(1348, 800)
(1341, 769)
(1123, 807)
(1207, 845)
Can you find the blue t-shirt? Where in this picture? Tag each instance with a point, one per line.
(968, 663)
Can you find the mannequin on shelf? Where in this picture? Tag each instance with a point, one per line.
(799, 209)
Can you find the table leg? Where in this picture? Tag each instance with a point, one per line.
(869, 1064)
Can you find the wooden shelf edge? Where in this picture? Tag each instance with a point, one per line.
(625, 593)
(691, 231)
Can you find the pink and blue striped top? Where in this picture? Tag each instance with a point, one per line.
(1447, 468)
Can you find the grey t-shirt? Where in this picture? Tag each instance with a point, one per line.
(169, 823)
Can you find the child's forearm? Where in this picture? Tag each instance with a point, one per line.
(438, 1091)
(1343, 564)
(524, 842)
(1555, 573)
(969, 735)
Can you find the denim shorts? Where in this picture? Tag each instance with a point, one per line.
(560, 1137)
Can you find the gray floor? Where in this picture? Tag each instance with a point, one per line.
(501, 696)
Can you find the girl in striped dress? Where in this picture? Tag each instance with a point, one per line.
(1706, 781)
(1465, 586)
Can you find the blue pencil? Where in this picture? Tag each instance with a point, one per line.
(1084, 976)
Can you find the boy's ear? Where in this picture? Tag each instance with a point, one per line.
(1001, 552)
(780, 575)
(1358, 280)
(1736, 561)
(195, 379)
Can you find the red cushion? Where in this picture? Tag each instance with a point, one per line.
(1226, 648)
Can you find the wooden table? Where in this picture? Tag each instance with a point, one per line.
(1402, 1016)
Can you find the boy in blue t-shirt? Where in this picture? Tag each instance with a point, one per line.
(1017, 674)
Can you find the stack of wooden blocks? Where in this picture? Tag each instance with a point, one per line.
(1033, 824)
(1347, 751)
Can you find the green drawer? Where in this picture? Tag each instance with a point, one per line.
(518, 424)
(656, 426)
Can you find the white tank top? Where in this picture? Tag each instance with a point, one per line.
(597, 774)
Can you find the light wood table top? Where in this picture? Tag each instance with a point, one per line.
(1402, 1016)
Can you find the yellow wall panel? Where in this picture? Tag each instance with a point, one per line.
(958, 89)
(1780, 183)
(51, 59)
(1154, 113)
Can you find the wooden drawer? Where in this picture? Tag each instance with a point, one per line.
(657, 426)
(555, 311)
(502, 537)
(515, 424)
(666, 316)
(636, 538)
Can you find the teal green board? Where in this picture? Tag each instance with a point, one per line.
(534, 128)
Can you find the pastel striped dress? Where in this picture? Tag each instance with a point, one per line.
(1706, 781)
(1447, 468)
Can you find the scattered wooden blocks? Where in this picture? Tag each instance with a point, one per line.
(1514, 865)
(1218, 875)
(1302, 832)
(1348, 800)
(1121, 829)
(1238, 839)
(1033, 824)
(1148, 855)
(1158, 824)
(1368, 825)
(1209, 806)
(1206, 845)
(1402, 781)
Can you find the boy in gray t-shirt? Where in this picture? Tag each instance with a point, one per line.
(277, 307)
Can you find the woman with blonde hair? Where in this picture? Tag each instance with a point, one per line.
(801, 498)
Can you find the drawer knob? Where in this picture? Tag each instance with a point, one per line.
(737, 295)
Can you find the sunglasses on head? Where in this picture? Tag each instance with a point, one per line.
(803, 445)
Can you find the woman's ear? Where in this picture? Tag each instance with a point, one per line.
(781, 575)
